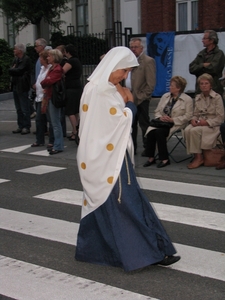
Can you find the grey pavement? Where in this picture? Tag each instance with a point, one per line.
(173, 172)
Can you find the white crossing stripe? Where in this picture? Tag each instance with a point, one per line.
(40, 170)
(41, 283)
(178, 214)
(16, 149)
(3, 180)
(181, 188)
(194, 260)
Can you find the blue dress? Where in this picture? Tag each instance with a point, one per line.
(124, 231)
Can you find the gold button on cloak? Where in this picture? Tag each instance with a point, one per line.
(83, 166)
(110, 179)
(113, 110)
(85, 202)
(85, 107)
(110, 147)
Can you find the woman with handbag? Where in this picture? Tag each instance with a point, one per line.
(204, 127)
(54, 75)
(118, 226)
(173, 112)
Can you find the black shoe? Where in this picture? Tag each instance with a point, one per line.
(18, 130)
(169, 260)
(77, 139)
(149, 163)
(54, 151)
(144, 154)
(162, 164)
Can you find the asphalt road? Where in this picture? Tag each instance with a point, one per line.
(40, 214)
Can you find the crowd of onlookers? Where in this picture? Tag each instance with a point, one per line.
(201, 119)
(52, 66)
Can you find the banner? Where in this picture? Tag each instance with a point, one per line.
(160, 46)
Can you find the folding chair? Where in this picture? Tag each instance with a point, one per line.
(179, 141)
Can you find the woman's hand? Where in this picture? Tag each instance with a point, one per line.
(202, 122)
(166, 119)
(125, 93)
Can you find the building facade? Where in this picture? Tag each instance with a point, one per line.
(182, 15)
(141, 16)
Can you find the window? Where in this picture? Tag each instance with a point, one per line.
(82, 16)
(11, 32)
(186, 15)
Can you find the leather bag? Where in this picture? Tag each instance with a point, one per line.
(160, 124)
(212, 157)
(59, 94)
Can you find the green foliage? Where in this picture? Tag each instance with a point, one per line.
(89, 47)
(24, 12)
(6, 58)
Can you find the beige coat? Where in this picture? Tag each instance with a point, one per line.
(211, 110)
(181, 114)
(143, 79)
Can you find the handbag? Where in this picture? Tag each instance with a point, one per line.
(59, 94)
(212, 157)
(160, 124)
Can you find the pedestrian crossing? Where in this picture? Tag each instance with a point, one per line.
(46, 283)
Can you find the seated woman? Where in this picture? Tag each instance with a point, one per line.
(175, 107)
(204, 127)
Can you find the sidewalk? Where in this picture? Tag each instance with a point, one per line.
(174, 172)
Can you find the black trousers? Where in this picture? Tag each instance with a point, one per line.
(158, 137)
(142, 117)
(222, 130)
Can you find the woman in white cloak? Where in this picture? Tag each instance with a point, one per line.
(118, 226)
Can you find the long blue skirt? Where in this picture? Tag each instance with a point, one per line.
(126, 233)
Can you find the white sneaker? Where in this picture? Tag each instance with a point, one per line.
(33, 115)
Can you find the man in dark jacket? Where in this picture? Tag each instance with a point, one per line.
(210, 60)
(21, 81)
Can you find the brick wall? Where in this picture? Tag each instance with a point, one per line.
(211, 14)
(160, 15)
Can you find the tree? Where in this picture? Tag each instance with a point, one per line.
(25, 12)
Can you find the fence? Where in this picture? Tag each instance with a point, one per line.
(91, 47)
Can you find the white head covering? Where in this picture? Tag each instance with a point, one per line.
(105, 130)
(117, 58)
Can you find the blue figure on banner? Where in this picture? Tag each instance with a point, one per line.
(160, 46)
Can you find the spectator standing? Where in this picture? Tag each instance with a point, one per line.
(21, 81)
(141, 82)
(40, 118)
(63, 116)
(210, 60)
(73, 72)
(54, 75)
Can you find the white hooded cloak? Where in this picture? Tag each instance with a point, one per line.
(105, 130)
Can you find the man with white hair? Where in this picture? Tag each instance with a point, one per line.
(21, 81)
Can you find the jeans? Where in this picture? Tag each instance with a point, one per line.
(22, 104)
(40, 125)
(55, 117)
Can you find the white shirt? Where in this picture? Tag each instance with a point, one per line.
(39, 89)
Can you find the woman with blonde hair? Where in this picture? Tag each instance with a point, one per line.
(204, 127)
(54, 75)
